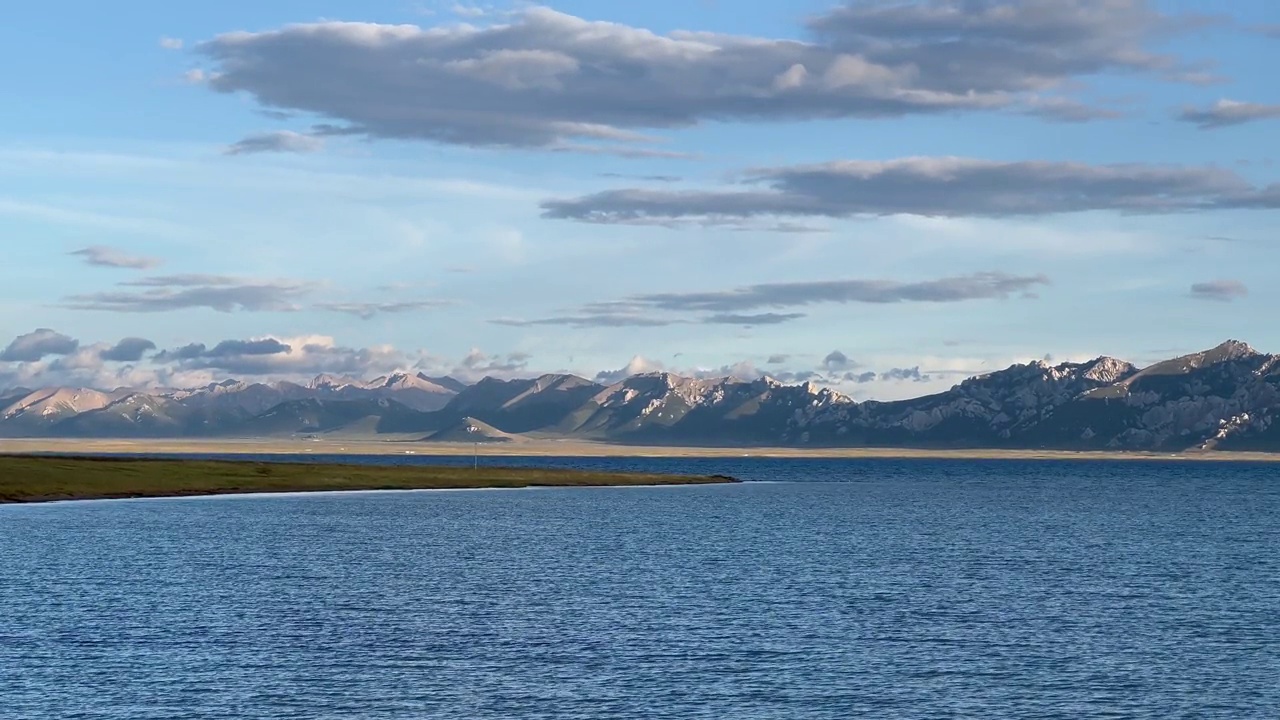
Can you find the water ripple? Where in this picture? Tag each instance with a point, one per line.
(888, 589)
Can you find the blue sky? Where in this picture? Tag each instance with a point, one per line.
(843, 192)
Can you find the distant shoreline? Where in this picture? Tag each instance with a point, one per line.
(568, 448)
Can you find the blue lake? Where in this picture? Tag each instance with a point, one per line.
(843, 588)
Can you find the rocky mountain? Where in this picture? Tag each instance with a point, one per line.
(1221, 398)
(1225, 398)
(399, 403)
(333, 417)
(522, 406)
(668, 409)
(416, 391)
(41, 409)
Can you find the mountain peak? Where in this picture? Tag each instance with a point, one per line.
(1231, 350)
(327, 381)
(1108, 370)
(405, 381)
(444, 381)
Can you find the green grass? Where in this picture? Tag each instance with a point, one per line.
(45, 478)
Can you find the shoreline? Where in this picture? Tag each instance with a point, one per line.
(563, 448)
(44, 478)
(364, 491)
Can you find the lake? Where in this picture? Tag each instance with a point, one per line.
(819, 589)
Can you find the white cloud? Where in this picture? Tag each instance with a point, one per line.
(183, 292)
(104, 256)
(538, 78)
(276, 141)
(927, 186)
(1226, 112)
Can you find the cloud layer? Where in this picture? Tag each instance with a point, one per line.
(928, 186)
(37, 345)
(276, 141)
(544, 79)
(736, 306)
(285, 357)
(128, 350)
(180, 292)
(103, 256)
(369, 310)
(45, 358)
(1224, 113)
(1219, 290)
(227, 293)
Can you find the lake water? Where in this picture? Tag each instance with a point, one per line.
(884, 589)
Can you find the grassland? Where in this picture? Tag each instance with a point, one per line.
(566, 448)
(49, 478)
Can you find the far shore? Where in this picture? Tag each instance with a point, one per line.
(564, 448)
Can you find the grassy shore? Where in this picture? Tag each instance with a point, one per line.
(565, 448)
(42, 479)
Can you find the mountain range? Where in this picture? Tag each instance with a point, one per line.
(1225, 398)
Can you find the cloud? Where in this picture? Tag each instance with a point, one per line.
(637, 366)
(777, 359)
(83, 368)
(1225, 112)
(37, 345)
(130, 349)
(544, 79)
(646, 178)
(184, 280)
(233, 348)
(1219, 290)
(186, 352)
(733, 307)
(367, 311)
(276, 141)
(103, 256)
(836, 361)
(1070, 111)
(589, 321)
(169, 43)
(181, 292)
(911, 374)
(225, 349)
(286, 357)
(978, 286)
(1005, 45)
(471, 11)
(758, 319)
(836, 369)
(82, 359)
(927, 186)
(478, 364)
(107, 366)
(617, 320)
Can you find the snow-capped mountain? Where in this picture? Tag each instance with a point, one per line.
(1225, 398)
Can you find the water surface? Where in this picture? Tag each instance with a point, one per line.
(881, 588)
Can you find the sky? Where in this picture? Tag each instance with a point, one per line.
(883, 197)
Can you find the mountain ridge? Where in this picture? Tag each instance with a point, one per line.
(1224, 398)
